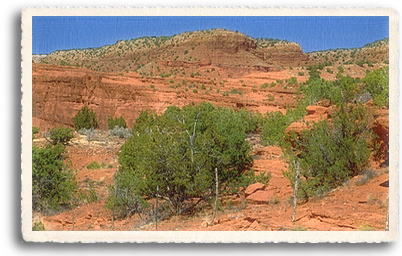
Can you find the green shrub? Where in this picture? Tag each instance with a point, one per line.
(85, 118)
(264, 85)
(274, 200)
(366, 176)
(165, 75)
(360, 63)
(112, 122)
(64, 63)
(88, 195)
(122, 133)
(52, 183)
(250, 178)
(91, 134)
(377, 84)
(195, 74)
(331, 153)
(95, 165)
(342, 90)
(61, 135)
(274, 127)
(299, 228)
(270, 97)
(365, 227)
(142, 121)
(38, 226)
(35, 130)
(275, 124)
(92, 196)
(252, 121)
(235, 91)
(292, 81)
(314, 73)
(179, 151)
(219, 206)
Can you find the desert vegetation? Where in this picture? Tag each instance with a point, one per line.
(178, 152)
(85, 119)
(53, 183)
(216, 141)
(329, 152)
(112, 122)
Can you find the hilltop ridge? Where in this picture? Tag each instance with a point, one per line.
(371, 53)
(267, 84)
(162, 55)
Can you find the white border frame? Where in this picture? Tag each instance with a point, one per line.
(205, 236)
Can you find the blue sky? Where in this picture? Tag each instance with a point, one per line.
(312, 33)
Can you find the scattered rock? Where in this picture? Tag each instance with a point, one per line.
(316, 110)
(254, 187)
(204, 224)
(260, 196)
(255, 225)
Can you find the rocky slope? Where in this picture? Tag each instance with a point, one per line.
(223, 67)
(189, 50)
(360, 204)
(370, 54)
(59, 92)
(227, 69)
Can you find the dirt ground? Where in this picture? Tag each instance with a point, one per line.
(354, 206)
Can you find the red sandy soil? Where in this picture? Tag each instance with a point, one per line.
(349, 207)
(59, 92)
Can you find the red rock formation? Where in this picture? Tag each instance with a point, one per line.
(220, 48)
(253, 188)
(381, 129)
(261, 196)
(59, 92)
(314, 114)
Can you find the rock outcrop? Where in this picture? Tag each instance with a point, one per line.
(218, 47)
(59, 92)
(381, 129)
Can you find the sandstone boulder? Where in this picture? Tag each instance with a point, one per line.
(261, 196)
(253, 188)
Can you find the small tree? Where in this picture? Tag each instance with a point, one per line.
(274, 127)
(179, 151)
(61, 135)
(35, 130)
(112, 122)
(377, 84)
(331, 153)
(52, 183)
(292, 81)
(85, 118)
